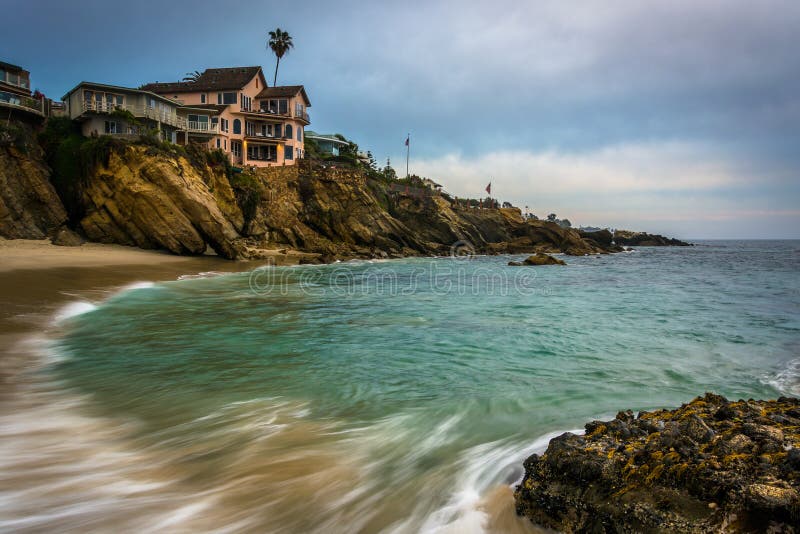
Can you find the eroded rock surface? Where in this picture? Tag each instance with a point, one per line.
(29, 205)
(709, 466)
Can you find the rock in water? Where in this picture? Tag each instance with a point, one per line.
(542, 259)
(708, 466)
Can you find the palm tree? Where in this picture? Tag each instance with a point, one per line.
(192, 76)
(280, 42)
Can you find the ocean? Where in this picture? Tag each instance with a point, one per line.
(376, 396)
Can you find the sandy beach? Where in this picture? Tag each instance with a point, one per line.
(41, 254)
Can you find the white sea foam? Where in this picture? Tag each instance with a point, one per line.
(73, 309)
(787, 381)
(205, 274)
(136, 285)
(481, 468)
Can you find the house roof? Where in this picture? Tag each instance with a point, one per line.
(217, 108)
(119, 88)
(211, 80)
(325, 137)
(9, 66)
(284, 91)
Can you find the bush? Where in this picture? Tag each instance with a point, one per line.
(249, 193)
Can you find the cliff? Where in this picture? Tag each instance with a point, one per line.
(29, 205)
(709, 466)
(189, 201)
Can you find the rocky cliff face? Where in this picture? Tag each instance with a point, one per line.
(709, 466)
(29, 205)
(188, 201)
(157, 201)
(340, 212)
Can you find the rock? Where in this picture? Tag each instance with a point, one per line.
(516, 263)
(692, 469)
(29, 205)
(151, 201)
(65, 237)
(643, 239)
(542, 259)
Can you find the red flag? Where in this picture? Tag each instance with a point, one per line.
(407, 138)
(489, 188)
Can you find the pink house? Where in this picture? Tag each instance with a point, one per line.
(255, 124)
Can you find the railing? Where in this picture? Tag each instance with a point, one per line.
(259, 135)
(199, 126)
(303, 115)
(147, 112)
(25, 102)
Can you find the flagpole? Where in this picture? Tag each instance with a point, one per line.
(408, 152)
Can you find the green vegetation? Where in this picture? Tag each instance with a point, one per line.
(192, 76)
(249, 193)
(16, 135)
(73, 158)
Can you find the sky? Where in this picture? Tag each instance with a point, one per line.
(679, 117)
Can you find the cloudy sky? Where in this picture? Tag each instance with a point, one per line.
(675, 116)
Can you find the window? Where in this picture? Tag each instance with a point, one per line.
(120, 100)
(283, 107)
(287, 132)
(226, 98)
(299, 134)
(226, 143)
(223, 125)
(288, 153)
(277, 130)
(203, 98)
(12, 78)
(2, 75)
(237, 126)
(219, 143)
(244, 102)
(249, 128)
(110, 127)
(236, 148)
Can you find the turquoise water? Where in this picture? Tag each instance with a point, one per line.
(395, 395)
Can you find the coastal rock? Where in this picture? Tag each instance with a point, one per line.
(643, 239)
(152, 201)
(65, 237)
(29, 205)
(708, 466)
(542, 259)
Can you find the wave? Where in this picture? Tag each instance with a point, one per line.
(73, 309)
(787, 381)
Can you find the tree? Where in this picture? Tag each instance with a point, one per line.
(372, 163)
(192, 76)
(552, 217)
(279, 42)
(565, 223)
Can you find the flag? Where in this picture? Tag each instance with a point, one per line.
(407, 139)
(489, 188)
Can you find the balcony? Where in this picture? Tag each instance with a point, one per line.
(168, 117)
(199, 127)
(25, 103)
(258, 136)
(302, 115)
